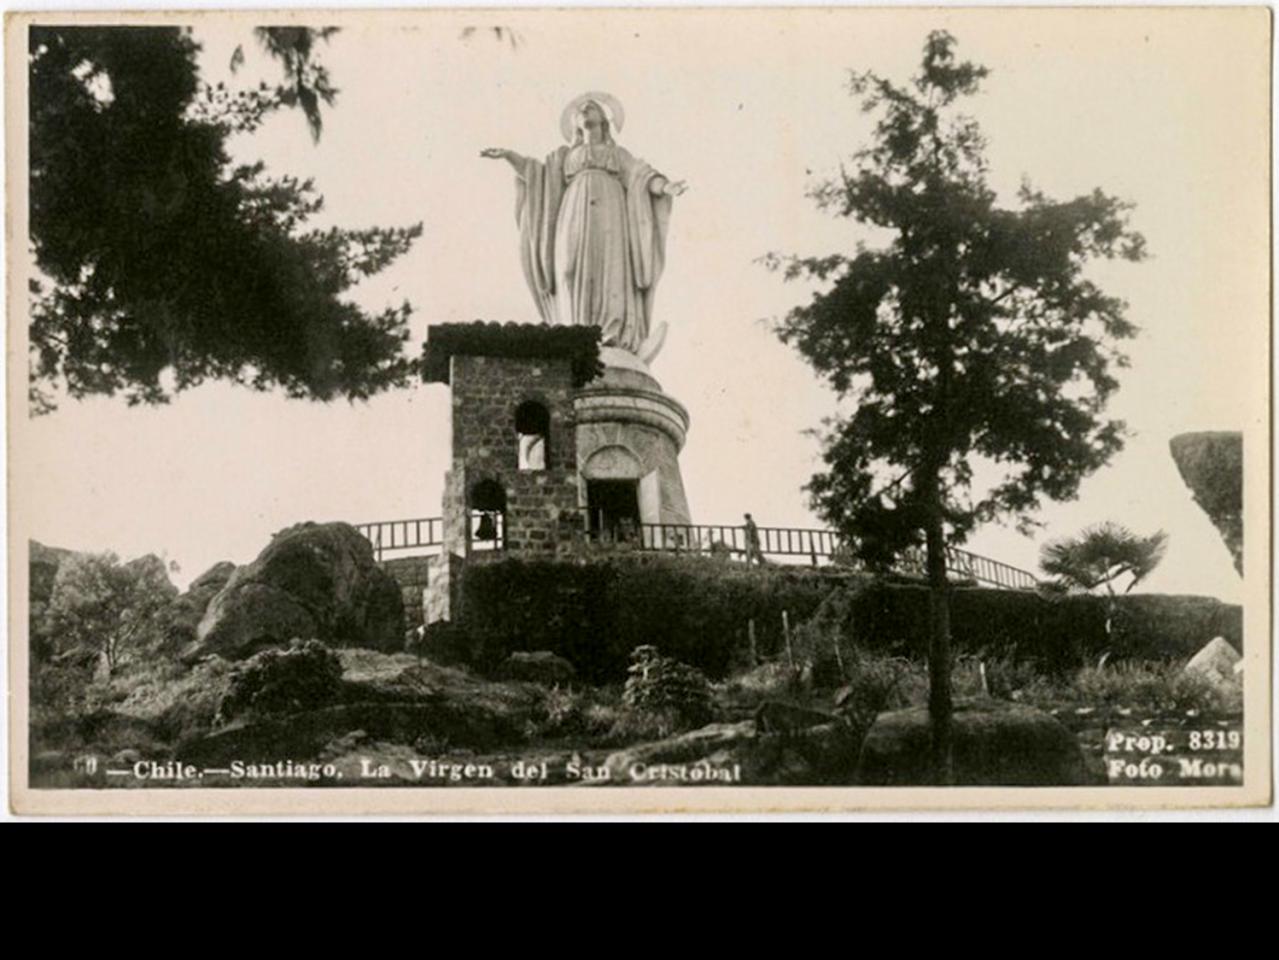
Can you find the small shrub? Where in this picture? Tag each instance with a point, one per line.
(1151, 686)
(632, 726)
(998, 675)
(581, 711)
(821, 647)
(877, 683)
(562, 707)
(1192, 692)
(663, 696)
(560, 714)
(599, 719)
(302, 676)
(1006, 675)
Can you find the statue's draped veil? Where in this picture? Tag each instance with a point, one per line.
(611, 106)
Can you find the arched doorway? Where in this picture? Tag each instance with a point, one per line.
(612, 477)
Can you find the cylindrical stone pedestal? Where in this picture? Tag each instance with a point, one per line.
(628, 429)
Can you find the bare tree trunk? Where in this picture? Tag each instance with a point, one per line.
(940, 706)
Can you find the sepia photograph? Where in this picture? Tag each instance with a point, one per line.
(767, 410)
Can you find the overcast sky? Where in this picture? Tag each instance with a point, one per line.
(1165, 108)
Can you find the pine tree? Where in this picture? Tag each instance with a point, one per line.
(161, 263)
(971, 337)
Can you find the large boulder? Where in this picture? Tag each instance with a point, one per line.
(775, 716)
(301, 736)
(996, 743)
(389, 698)
(1211, 464)
(210, 583)
(806, 753)
(312, 581)
(1218, 663)
(183, 616)
(371, 677)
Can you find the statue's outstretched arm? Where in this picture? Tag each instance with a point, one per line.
(516, 161)
(659, 186)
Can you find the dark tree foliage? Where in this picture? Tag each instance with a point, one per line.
(307, 81)
(972, 336)
(1099, 557)
(109, 607)
(157, 253)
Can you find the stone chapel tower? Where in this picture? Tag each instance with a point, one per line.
(555, 443)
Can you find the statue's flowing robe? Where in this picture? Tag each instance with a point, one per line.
(593, 240)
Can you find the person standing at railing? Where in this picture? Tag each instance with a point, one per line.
(753, 552)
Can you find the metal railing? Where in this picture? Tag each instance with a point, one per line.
(815, 544)
(773, 541)
(388, 535)
(971, 566)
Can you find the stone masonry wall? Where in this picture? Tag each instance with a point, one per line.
(412, 574)
(454, 504)
(486, 392)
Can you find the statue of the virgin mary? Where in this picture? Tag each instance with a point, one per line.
(592, 222)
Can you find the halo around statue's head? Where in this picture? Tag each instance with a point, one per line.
(610, 104)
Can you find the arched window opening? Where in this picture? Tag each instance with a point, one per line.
(486, 508)
(533, 425)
